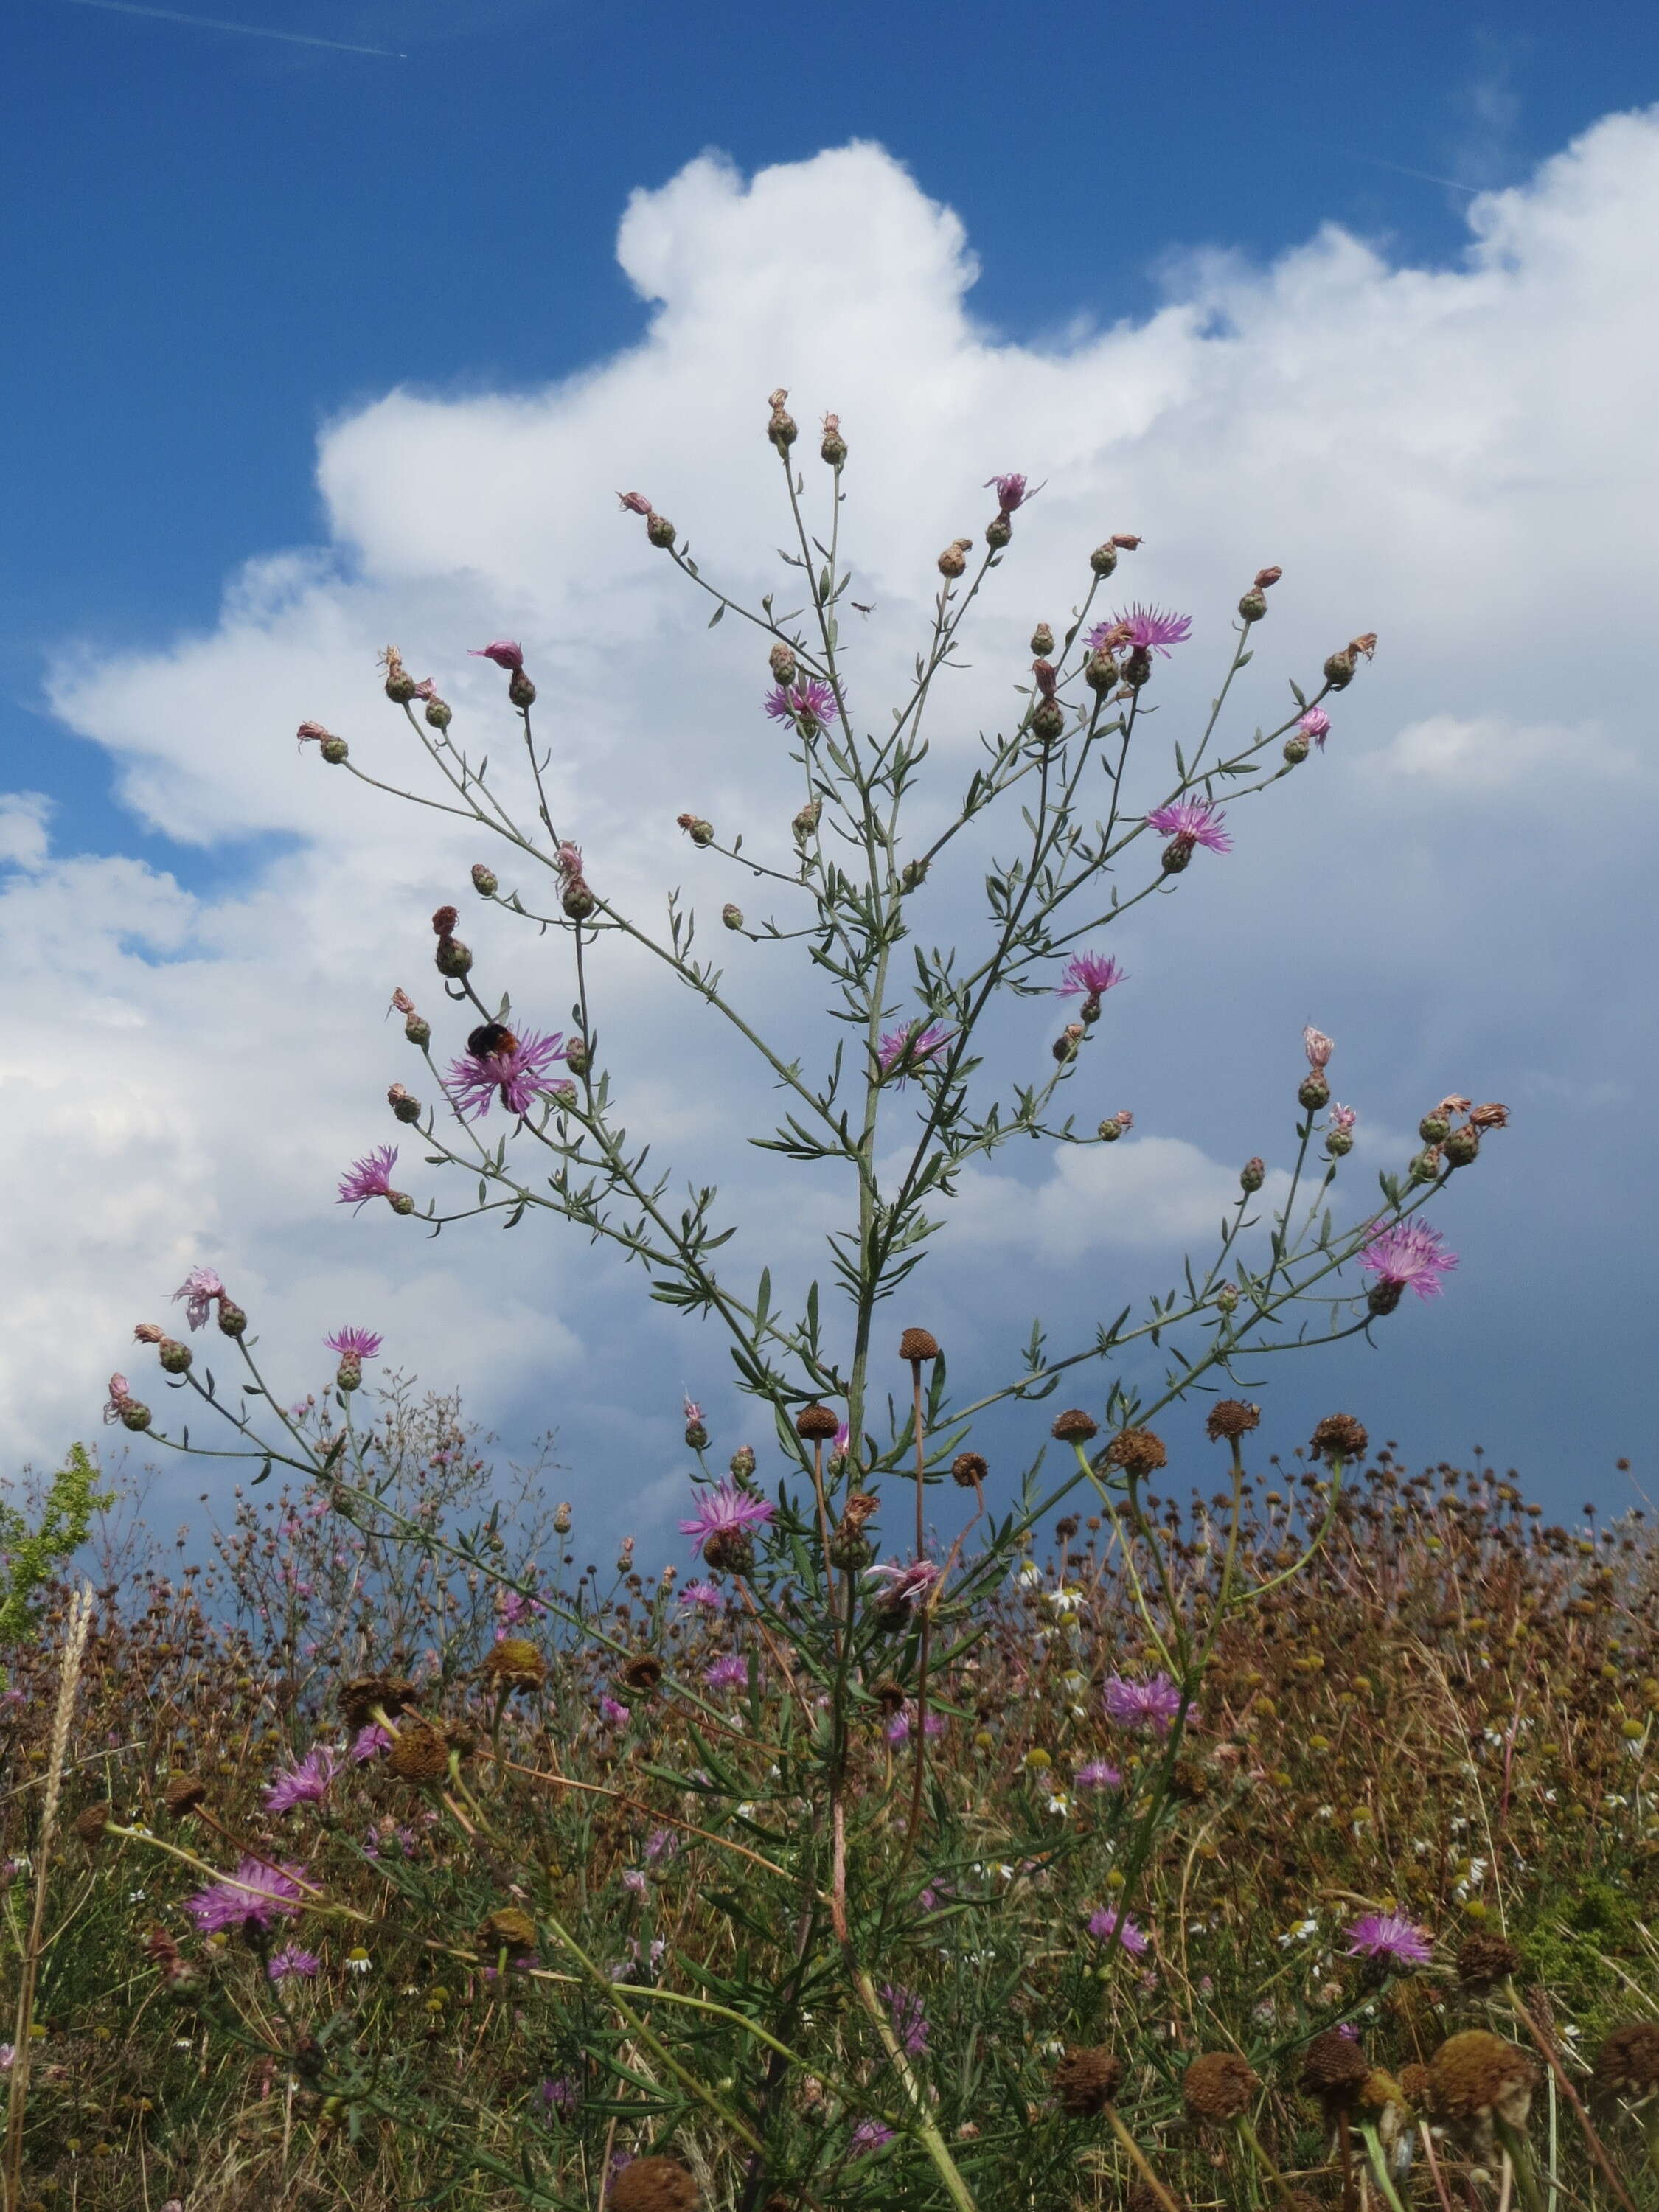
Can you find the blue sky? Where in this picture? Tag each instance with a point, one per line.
(233, 246)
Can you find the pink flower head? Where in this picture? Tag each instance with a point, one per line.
(370, 1742)
(1390, 1938)
(1104, 1924)
(426, 689)
(516, 1073)
(906, 1049)
(294, 1964)
(355, 1343)
(120, 1397)
(692, 1411)
(899, 1728)
(725, 1511)
(1408, 1256)
(1149, 629)
(502, 651)
(807, 701)
(313, 733)
(729, 1672)
(634, 502)
(906, 1585)
(1150, 1704)
(369, 1177)
(568, 859)
(255, 1895)
(1341, 1118)
(1011, 492)
(612, 1714)
(304, 1784)
(201, 1286)
(1088, 974)
(1316, 724)
(909, 2023)
(1099, 1774)
(706, 1594)
(841, 1443)
(1195, 822)
(868, 2135)
(1317, 1046)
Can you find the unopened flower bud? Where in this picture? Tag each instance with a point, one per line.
(699, 831)
(732, 916)
(1314, 1092)
(1100, 672)
(444, 920)
(807, 820)
(175, 1357)
(782, 429)
(1047, 720)
(451, 957)
(484, 880)
(834, 447)
(953, 560)
(403, 1103)
(998, 530)
(1462, 1144)
(913, 875)
(417, 1030)
(232, 1320)
(1226, 1299)
(1253, 605)
(1043, 641)
(1426, 1165)
(660, 531)
(1338, 671)
(561, 1520)
(1295, 751)
(1252, 1174)
(1043, 670)
(783, 665)
(520, 691)
(575, 1056)
(577, 900)
(1266, 579)
(1066, 1042)
(1104, 559)
(438, 713)
(334, 750)
(349, 1374)
(743, 1462)
(1434, 1128)
(134, 1416)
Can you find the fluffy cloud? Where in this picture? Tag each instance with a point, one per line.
(1458, 458)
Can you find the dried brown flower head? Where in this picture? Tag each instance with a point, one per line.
(510, 1928)
(653, 2185)
(643, 1671)
(918, 1344)
(1086, 2081)
(91, 1822)
(1074, 1426)
(182, 1793)
(1338, 1435)
(1627, 2065)
(1334, 2070)
(1414, 2085)
(968, 1469)
(1486, 1958)
(1231, 1416)
(514, 1663)
(1219, 2085)
(814, 1421)
(1137, 1452)
(1477, 2074)
(363, 1693)
(419, 1753)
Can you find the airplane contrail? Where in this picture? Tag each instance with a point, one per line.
(247, 30)
(1423, 176)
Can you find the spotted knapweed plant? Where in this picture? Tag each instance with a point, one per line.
(843, 2018)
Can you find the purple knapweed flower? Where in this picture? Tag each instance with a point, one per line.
(899, 1728)
(369, 1177)
(370, 1742)
(201, 1286)
(1408, 1256)
(1150, 1704)
(1147, 630)
(706, 1594)
(725, 1511)
(294, 1964)
(808, 701)
(1341, 1118)
(730, 1672)
(1011, 492)
(1317, 1046)
(503, 651)
(560, 2095)
(258, 1894)
(517, 1074)
(910, 2024)
(1194, 822)
(612, 1714)
(120, 1397)
(1390, 1938)
(1316, 724)
(1088, 974)
(1099, 1774)
(355, 1343)
(868, 2135)
(907, 1048)
(905, 1585)
(1104, 1924)
(635, 1880)
(307, 1783)
(692, 1411)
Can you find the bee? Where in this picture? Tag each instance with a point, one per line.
(491, 1039)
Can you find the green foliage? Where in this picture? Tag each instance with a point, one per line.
(30, 1557)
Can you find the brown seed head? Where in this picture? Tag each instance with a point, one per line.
(816, 1421)
(1231, 1416)
(1074, 1426)
(1627, 2065)
(1334, 2070)
(968, 1469)
(1137, 1452)
(514, 1663)
(510, 1927)
(1486, 1958)
(643, 1671)
(1086, 2081)
(1338, 1435)
(182, 1793)
(1219, 2085)
(1475, 2074)
(91, 1820)
(360, 1696)
(653, 2185)
(889, 1695)
(1414, 2085)
(419, 1753)
(918, 1344)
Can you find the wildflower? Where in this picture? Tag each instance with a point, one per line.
(200, 1287)
(1099, 1774)
(905, 1585)
(868, 2135)
(371, 1177)
(612, 1714)
(304, 1784)
(561, 2094)
(810, 703)
(1407, 1256)
(721, 1526)
(258, 1894)
(1316, 724)
(1341, 1120)
(1104, 1924)
(898, 1729)
(294, 1964)
(499, 1064)
(370, 1742)
(502, 651)
(1150, 1704)
(1317, 1046)
(730, 1672)
(1390, 1938)
(905, 1049)
(909, 2024)
(1188, 823)
(1088, 975)
(1218, 2085)
(8, 2054)
(1475, 2074)
(706, 1594)
(355, 1343)
(1085, 2083)
(1143, 629)
(357, 1959)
